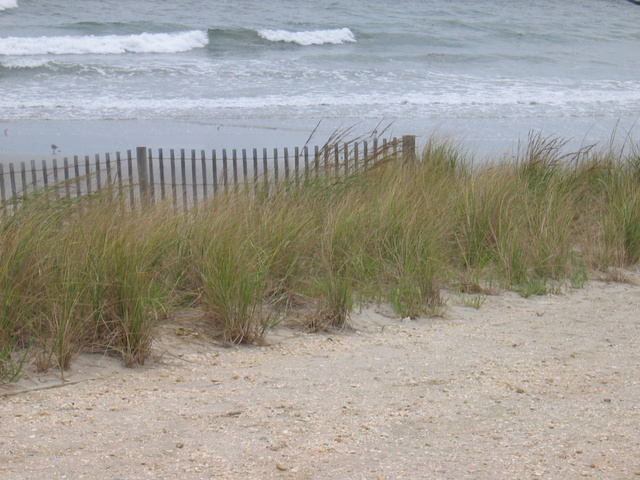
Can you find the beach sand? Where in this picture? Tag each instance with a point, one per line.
(31, 140)
(25, 141)
(545, 387)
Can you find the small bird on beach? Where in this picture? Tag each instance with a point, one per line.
(54, 147)
(6, 132)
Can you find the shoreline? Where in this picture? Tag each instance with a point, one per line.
(31, 140)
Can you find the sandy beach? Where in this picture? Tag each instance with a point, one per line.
(544, 387)
(24, 141)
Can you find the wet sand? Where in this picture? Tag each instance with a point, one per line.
(29, 140)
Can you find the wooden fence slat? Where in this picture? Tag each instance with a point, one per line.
(375, 150)
(87, 172)
(286, 163)
(34, 182)
(365, 153)
(23, 177)
(55, 177)
(306, 162)
(265, 167)
(408, 148)
(316, 159)
(142, 164)
(214, 167)
(326, 159)
(245, 166)
(234, 156)
(183, 172)
(98, 172)
(296, 163)
(76, 171)
(346, 158)
(115, 176)
(203, 162)
(119, 170)
(45, 176)
(255, 166)
(67, 189)
(132, 182)
(224, 168)
(356, 157)
(174, 188)
(12, 178)
(275, 165)
(3, 196)
(194, 177)
(107, 161)
(161, 167)
(152, 183)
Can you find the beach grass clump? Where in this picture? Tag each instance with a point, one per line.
(285, 232)
(26, 271)
(620, 218)
(93, 274)
(517, 220)
(414, 219)
(226, 269)
(107, 286)
(334, 267)
(123, 262)
(78, 275)
(606, 208)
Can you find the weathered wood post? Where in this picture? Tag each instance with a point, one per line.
(408, 148)
(143, 175)
(2, 194)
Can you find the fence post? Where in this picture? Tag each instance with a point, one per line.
(408, 148)
(143, 175)
(2, 194)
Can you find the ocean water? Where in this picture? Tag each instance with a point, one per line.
(95, 75)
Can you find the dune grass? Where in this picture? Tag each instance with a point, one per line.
(90, 275)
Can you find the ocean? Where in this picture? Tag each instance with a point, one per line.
(95, 76)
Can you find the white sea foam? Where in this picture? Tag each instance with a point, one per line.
(5, 4)
(141, 43)
(315, 37)
(590, 100)
(24, 62)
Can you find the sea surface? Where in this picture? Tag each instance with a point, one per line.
(99, 75)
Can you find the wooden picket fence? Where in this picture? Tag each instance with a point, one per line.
(188, 177)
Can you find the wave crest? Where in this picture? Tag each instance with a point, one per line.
(5, 4)
(69, 45)
(314, 37)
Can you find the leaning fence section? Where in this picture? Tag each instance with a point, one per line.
(186, 177)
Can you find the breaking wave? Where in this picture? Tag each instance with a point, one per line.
(109, 44)
(314, 37)
(5, 4)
